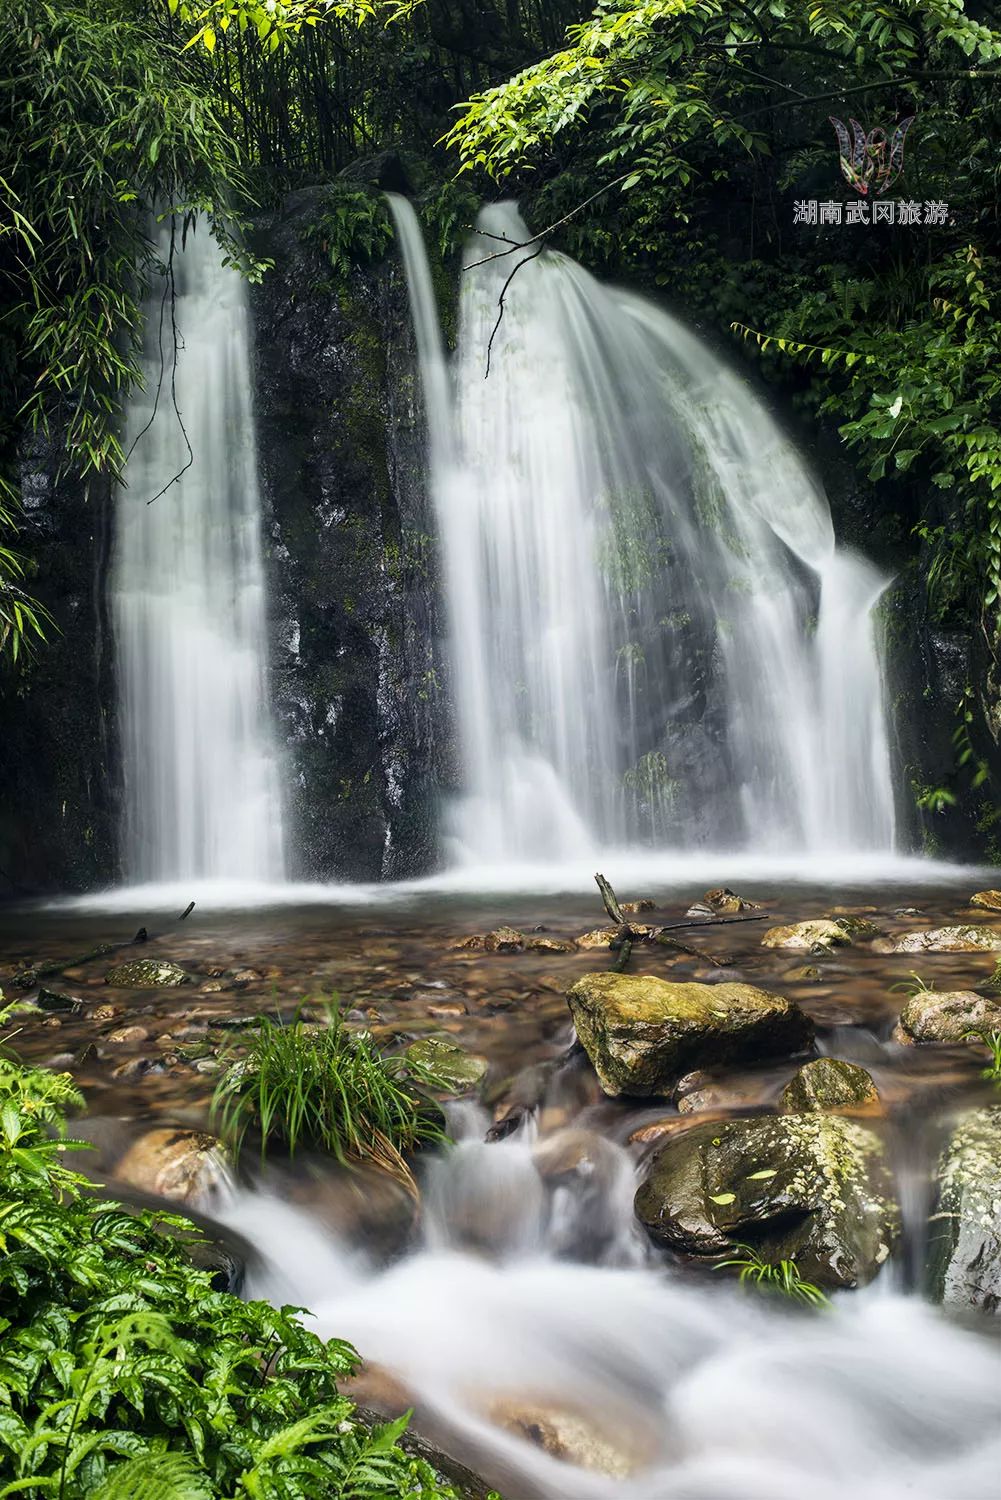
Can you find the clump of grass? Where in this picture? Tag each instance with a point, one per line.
(782, 1276)
(992, 1041)
(914, 985)
(325, 1087)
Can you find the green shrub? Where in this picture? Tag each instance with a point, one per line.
(325, 1087)
(353, 228)
(125, 1374)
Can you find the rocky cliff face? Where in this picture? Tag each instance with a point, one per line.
(58, 791)
(357, 673)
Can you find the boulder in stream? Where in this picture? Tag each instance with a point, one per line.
(642, 1033)
(947, 1016)
(827, 1084)
(445, 1065)
(959, 939)
(504, 940)
(989, 900)
(813, 936)
(173, 1162)
(147, 974)
(809, 1187)
(964, 1242)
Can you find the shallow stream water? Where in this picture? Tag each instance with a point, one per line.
(540, 1339)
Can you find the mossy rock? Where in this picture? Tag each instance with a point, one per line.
(809, 1187)
(541, 944)
(959, 939)
(827, 1083)
(504, 940)
(147, 974)
(964, 1239)
(859, 929)
(454, 1069)
(642, 1033)
(989, 900)
(818, 934)
(947, 1017)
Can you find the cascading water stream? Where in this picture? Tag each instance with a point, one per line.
(202, 787)
(559, 1378)
(655, 639)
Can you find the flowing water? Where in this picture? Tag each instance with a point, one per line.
(654, 636)
(539, 1338)
(202, 785)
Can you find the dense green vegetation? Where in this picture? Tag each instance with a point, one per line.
(125, 1373)
(670, 140)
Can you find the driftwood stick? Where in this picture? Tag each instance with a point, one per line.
(611, 902)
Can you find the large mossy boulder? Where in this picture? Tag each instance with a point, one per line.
(812, 1187)
(643, 1033)
(964, 1240)
(827, 1084)
(947, 1016)
(147, 974)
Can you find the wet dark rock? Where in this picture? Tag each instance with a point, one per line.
(504, 940)
(146, 974)
(551, 944)
(947, 1016)
(964, 1257)
(827, 1083)
(812, 1187)
(57, 1001)
(724, 902)
(358, 672)
(859, 929)
(642, 1033)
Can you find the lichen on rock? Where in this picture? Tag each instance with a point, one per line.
(809, 1187)
(964, 1240)
(147, 974)
(818, 934)
(946, 1016)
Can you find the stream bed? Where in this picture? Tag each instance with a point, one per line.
(541, 1338)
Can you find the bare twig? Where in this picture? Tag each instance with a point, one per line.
(543, 234)
(500, 304)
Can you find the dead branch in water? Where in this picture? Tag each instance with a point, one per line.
(627, 933)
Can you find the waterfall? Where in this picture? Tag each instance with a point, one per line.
(188, 594)
(654, 637)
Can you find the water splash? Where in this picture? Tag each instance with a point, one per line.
(188, 595)
(654, 637)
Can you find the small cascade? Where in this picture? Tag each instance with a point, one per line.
(188, 593)
(655, 639)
